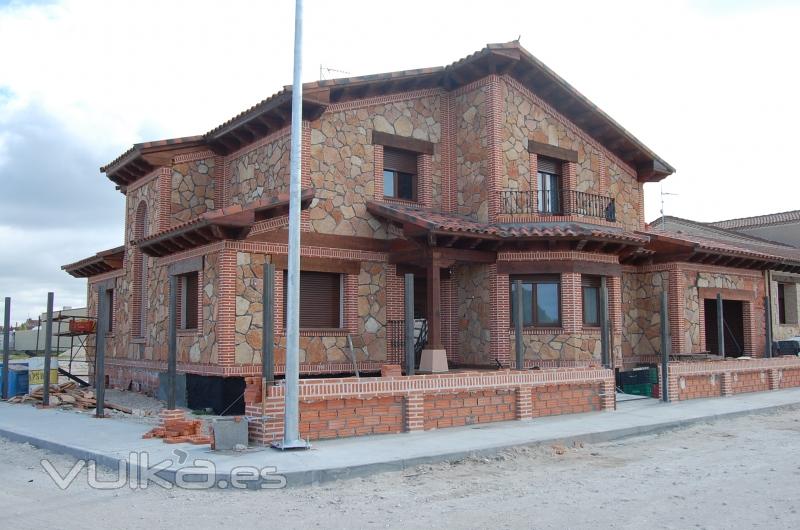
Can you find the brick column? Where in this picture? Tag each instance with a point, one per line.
(494, 116)
(726, 384)
(164, 198)
(608, 397)
(350, 303)
(676, 288)
(268, 428)
(219, 181)
(571, 317)
(524, 405)
(500, 345)
(603, 170)
(749, 329)
(226, 308)
(570, 184)
(448, 154)
(424, 180)
(414, 412)
(774, 378)
(377, 165)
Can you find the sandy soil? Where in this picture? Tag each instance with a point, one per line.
(739, 473)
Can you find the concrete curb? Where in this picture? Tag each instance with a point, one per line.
(319, 476)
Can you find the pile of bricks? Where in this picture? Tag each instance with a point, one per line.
(175, 428)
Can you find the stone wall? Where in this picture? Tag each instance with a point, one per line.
(471, 150)
(474, 312)
(342, 159)
(193, 189)
(260, 170)
(641, 317)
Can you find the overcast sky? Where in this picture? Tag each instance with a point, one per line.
(711, 86)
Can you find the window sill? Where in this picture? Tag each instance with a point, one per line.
(188, 332)
(320, 332)
(535, 330)
(396, 200)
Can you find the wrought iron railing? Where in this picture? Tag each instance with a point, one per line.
(550, 202)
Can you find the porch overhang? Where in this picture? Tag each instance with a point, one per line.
(102, 262)
(233, 222)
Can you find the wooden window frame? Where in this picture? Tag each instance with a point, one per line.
(394, 172)
(537, 279)
(188, 316)
(590, 282)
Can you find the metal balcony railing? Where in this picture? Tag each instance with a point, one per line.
(551, 202)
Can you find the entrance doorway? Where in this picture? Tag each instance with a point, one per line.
(733, 322)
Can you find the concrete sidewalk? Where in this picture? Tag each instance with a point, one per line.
(110, 441)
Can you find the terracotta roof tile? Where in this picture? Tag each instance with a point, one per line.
(759, 220)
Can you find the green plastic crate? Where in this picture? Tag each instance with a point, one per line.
(641, 389)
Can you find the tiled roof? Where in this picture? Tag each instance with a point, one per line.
(104, 261)
(759, 220)
(136, 148)
(756, 249)
(439, 222)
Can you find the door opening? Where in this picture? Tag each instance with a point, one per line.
(733, 322)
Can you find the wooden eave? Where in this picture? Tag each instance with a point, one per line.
(102, 262)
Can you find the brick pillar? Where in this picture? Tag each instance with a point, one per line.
(164, 198)
(424, 181)
(673, 387)
(414, 413)
(394, 312)
(571, 317)
(226, 308)
(603, 170)
(774, 378)
(448, 153)
(494, 129)
(377, 165)
(219, 181)
(749, 329)
(500, 344)
(524, 397)
(726, 384)
(676, 288)
(450, 319)
(608, 394)
(570, 184)
(534, 184)
(305, 174)
(350, 303)
(267, 423)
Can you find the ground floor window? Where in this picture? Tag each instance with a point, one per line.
(110, 309)
(320, 299)
(541, 300)
(787, 303)
(590, 291)
(188, 291)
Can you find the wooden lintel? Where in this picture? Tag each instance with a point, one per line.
(552, 151)
(402, 142)
(550, 267)
(341, 266)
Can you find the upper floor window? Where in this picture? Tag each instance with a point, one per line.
(320, 299)
(399, 174)
(548, 180)
(590, 291)
(541, 300)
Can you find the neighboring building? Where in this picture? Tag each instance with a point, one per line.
(782, 278)
(471, 176)
(781, 227)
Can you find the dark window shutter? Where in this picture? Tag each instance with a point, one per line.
(320, 299)
(399, 160)
(190, 311)
(548, 165)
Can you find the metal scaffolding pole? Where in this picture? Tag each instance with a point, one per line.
(408, 328)
(291, 422)
(48, 344)
(6, 346)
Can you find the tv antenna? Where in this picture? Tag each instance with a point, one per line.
(325, 70)
(663, 216)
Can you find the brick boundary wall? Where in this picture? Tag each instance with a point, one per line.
(369, 405)
(693, 380)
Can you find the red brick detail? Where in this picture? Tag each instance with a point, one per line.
(494, 134)
(568, 255)
(749, 331)
(305, 173)
(570, 184)
(350, 302)
(306, 251)
(391, 370)
(534, 185)
(699, 386)
(774, 376)
(164, 198)
(553, 400)
(280, 304)
(340, 418)
(789, 378)
(500, 344)
(377, 164)
(571, 309)
(603, 170)
(383, 100)
(524, 404)
(219, 181)
(469, 408)
(414, 413)
(449, 300)
(742, 382)
(424, 180)
(701, 319)
(615, 303)
(608, 395)
(726, 384)
(448, 154)
(226, 308)
(676, 288)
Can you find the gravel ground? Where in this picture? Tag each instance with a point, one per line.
(737, 473)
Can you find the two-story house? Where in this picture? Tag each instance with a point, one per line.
(472, 176)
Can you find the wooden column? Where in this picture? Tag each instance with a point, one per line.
(434, 305)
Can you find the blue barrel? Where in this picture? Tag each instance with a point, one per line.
(17, 379)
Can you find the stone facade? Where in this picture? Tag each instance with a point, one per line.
(259, 170)
(193, 188)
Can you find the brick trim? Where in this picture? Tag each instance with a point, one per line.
(306, 251)
(569, 255)
(494, 127)
(383, 100)
(164, 198)
(499, 345)
(448, 154)
(377, 164)
(226, 308)
(193, 157)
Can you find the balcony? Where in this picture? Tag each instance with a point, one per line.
(552, 202)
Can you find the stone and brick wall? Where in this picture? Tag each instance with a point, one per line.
(260, 169)
(368, 405)
(193, 186)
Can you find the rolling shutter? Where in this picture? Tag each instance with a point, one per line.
(548, 165)
(399, 160)
(320, 299)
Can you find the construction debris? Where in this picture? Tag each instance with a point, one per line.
(175, 431)
(67, 395)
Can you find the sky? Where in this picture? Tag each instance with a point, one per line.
(711, 86)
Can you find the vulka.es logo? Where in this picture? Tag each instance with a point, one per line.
(137, 473)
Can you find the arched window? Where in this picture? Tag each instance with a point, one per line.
(139, 274)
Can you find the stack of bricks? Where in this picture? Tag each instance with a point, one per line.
(175, 428)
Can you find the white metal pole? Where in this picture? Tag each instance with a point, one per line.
(291, 433)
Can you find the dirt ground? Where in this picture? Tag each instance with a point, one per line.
(736, 473)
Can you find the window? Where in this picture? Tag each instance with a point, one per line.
(320, 299)
(548, 179)
(787, 303)
(188, 293)
(541, 295)
(590, 290)
(399, 174)
(110, 310)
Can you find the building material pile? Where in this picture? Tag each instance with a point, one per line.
(175, 430)
(67, 395)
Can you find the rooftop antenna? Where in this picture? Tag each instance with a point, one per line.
(663, 216)
(323, 69)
